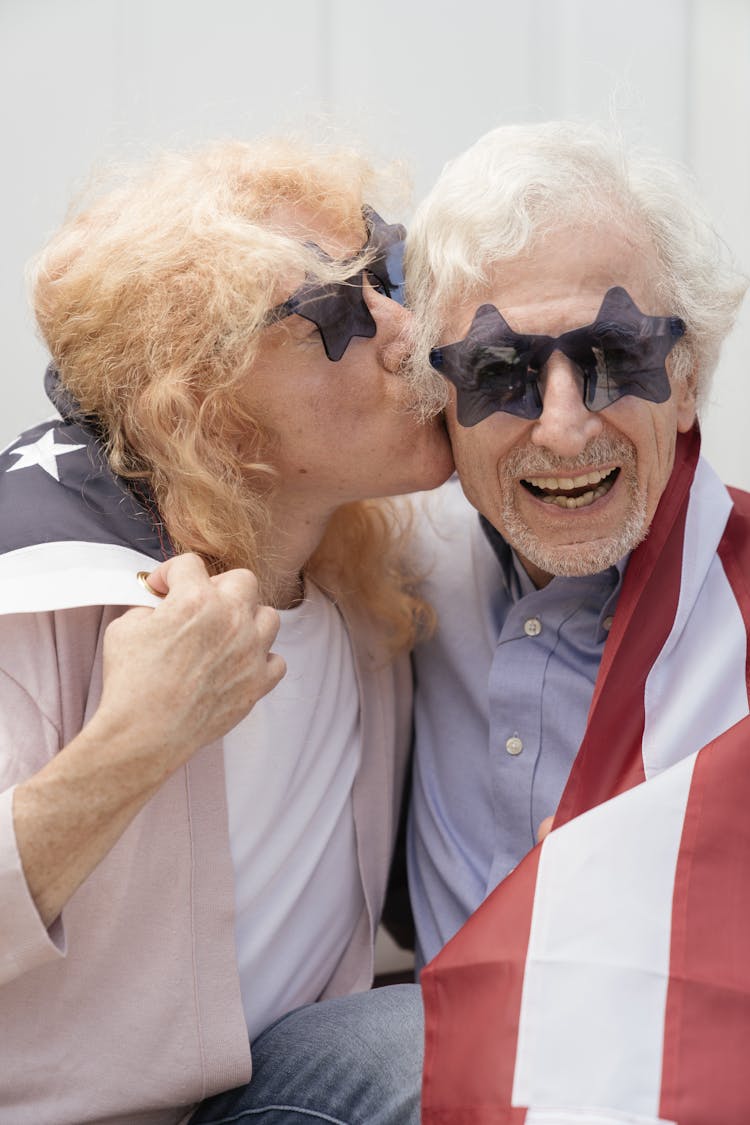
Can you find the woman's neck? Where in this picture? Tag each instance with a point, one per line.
(296, 533)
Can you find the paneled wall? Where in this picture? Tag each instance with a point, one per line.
(83, 80)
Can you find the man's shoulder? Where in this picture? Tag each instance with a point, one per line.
(725, 506)
(740, 501)
(734, 548)
(450, 551)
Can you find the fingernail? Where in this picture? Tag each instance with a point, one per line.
(142, 577)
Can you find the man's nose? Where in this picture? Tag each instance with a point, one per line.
(565, 426)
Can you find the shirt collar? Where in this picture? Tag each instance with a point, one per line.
(603, 587)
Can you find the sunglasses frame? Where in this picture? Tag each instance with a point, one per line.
(468, 363)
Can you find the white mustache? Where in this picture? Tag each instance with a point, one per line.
(601, 450)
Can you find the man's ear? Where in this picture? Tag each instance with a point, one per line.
(686, 401)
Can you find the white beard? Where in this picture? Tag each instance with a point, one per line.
(573, 560)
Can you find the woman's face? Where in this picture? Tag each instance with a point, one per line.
(343, 430)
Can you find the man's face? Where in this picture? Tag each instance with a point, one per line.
(572, 491)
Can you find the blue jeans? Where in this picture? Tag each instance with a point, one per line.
(356, 1060)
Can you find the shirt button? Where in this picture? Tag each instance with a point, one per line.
(532, 627)
(514, 746)
(607, 623)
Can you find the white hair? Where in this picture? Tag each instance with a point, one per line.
(518, 182)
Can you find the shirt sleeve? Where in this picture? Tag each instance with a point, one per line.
(25, 943)
(36, 662)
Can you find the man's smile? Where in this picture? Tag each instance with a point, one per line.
(572, 491)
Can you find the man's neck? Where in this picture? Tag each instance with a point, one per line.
(539, 577)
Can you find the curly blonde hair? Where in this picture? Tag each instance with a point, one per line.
(151, 298)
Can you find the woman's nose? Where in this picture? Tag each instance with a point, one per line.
(393, 324)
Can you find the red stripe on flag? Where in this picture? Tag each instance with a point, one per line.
(610, 759)
(472, 996)
(734, 552)
(706, 1076)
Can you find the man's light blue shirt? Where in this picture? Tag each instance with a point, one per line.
(503, 692)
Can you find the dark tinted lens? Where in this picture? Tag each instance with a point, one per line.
(500, 372)
(490, 369)
(623, 352)
(378, 284)
(339, 310)
(490, 378)
(625, 364)
(387, 240)
(619, 353)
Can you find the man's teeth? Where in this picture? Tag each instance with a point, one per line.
(575, 501)
(552, 488)
(568, 482)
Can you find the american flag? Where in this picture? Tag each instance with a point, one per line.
(71, 532)
(607, 980)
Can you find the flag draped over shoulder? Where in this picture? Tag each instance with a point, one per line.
(607, 979)
(71, 532)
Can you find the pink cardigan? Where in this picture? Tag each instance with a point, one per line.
(128, 1009)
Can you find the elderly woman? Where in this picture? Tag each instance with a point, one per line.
(185, 854)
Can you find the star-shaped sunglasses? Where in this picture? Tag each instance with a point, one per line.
(338, 309)
(622, 353)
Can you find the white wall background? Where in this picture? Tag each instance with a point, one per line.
(83, 80)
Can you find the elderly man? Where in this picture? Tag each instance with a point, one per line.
(175, 873)
(573, 303)
(593, 616)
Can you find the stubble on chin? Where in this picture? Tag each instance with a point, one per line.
(576, 559)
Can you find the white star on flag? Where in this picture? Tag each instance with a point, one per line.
(43, 453)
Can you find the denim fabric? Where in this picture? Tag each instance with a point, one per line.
(356, 1060)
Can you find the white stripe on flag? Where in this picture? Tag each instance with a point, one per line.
(594, 994)
(696, 688)
(579, 1115)
(61, 575)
